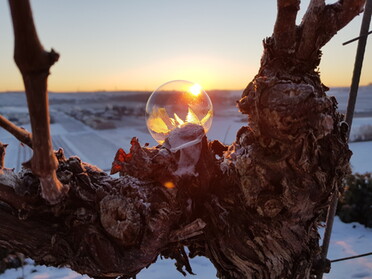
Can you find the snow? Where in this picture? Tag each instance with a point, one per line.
(360, 126)
(350, 240)
(29, 271)
(362, 154)
(99, 147)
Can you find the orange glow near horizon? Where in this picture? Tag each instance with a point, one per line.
(153, 44)
(213, 72)
(58, 82)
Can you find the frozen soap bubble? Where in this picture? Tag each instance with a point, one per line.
(175, 104)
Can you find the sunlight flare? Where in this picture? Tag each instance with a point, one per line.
(175, 104)
(195, 89)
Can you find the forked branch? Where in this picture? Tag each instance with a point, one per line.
(321, 22)
(296, 49)
(34, 63)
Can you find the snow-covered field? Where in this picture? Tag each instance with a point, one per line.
(99, 147)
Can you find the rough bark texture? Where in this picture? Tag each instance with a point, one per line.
(2, 154)
(252, 208)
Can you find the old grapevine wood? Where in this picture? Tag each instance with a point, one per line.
(254, 206)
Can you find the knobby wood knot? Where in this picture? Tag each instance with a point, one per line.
(271, 208)
(121, 218)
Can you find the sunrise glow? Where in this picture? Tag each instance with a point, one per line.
(195, 89)
(152, 44)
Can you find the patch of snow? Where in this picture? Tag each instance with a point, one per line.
(29, 271)
(361, 158)
(350, 240)
(359, 127)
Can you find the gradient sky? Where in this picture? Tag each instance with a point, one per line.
(141, 44)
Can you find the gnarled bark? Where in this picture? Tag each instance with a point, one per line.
(252, 208)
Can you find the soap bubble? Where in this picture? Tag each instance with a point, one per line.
(175, 104)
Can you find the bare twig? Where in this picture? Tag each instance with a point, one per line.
(21, 134)
(285, 25)
(34, 63)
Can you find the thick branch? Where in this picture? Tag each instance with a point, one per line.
(29, 233)
(321, 22)
(8, 180)
(21, 134)
(295, 50)
(285, 25)
(256, 206)
(106, 227)
(34, 63)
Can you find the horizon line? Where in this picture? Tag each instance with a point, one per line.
(142, 91)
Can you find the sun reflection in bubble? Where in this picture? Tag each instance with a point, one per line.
(174, 104)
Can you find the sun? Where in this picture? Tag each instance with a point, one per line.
(195, 89)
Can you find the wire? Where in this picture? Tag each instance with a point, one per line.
(353, 257)
(357, 38)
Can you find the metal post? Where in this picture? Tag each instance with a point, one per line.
(358, 63)
(349, 119)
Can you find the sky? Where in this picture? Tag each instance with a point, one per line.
(141, 44)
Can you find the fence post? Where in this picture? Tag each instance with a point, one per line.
(349, 119)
